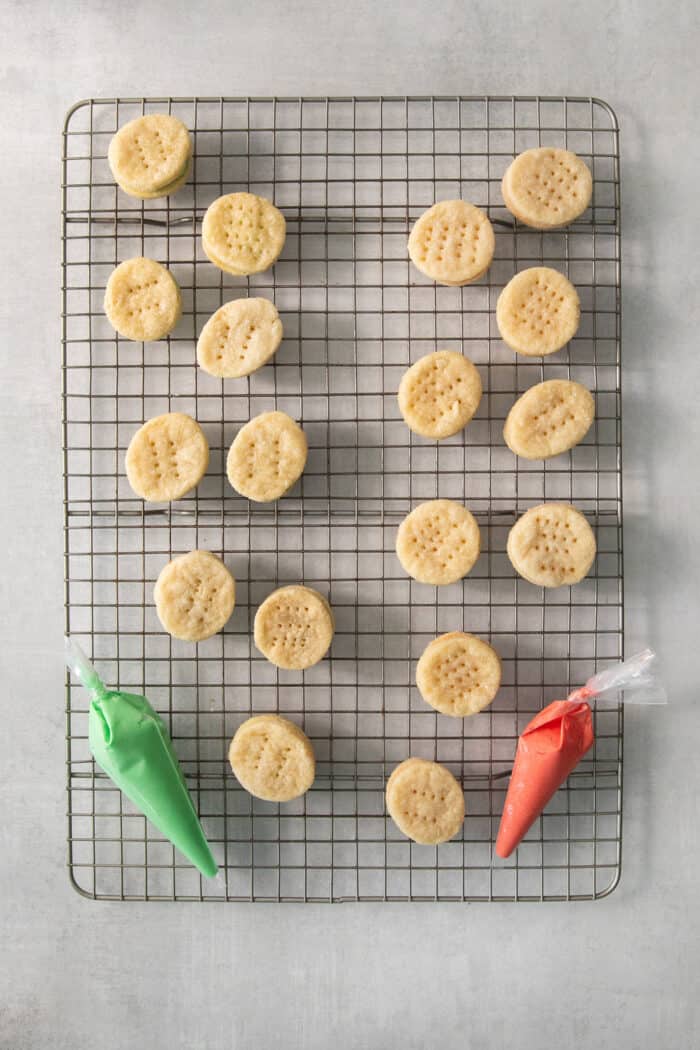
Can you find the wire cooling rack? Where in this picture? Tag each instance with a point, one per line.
(351, 175)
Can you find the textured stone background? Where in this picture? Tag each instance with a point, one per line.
(618, 973)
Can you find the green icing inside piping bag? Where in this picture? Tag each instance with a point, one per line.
(130, 742)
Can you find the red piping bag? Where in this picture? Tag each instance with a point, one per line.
(557, 738)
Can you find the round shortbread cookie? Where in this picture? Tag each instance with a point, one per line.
(458, 674)
(167, 191)
(452, 243)
(239, 338)
(149, 157)
(549, 418)
(552, 545)
(195, 595)
(439, 394)
(538, 312)
(438, 542)
(547, 188)
(267, 457)
(425, 801)
(272, 758)
(142, 300)
(167, 457)
(294, 627)
(242, 233)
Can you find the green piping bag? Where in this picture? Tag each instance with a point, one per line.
(129, 741)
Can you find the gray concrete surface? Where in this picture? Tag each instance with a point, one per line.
(619, 973)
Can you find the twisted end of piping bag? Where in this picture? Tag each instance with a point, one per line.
(79, 665)
(634, 681)
(130, 742)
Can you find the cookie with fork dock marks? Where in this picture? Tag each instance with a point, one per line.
(552, 545)
(452, 243)
(294, 627)
(458, 674)
(195, 595)
(142, 300)
(425, 801)
(439, 394)
(267, 457)
(549, 419)
(272, 758)
(151, 156)
(438, 542)
(243, 233)
(239, 338)
(167, 191)
(167, 457)
(547, 188)
(538, 312)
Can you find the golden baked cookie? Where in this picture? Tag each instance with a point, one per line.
(267, 457)
(438, 542)
(167, 457)
(458, 674)
(452, 243)
(549, 419)
(243, 233)
(168, 190)
(195, 595)
(546, 188)
(439, 394)
(538, 312)
(552, 545)
(150, 156)
(425, 801)
(239, 338)
(294, 627)
(272, 758)
(142, 300)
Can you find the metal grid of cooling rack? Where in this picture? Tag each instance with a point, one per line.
(350, 175)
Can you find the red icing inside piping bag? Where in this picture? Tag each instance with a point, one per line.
(550, 746)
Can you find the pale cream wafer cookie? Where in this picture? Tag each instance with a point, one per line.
(549, 418)
(458, 674)
(142, 300)
(452, 242)
(294, 627)
(150, 156)
(167, 191)
(167, 457)
(552, 545)
(239, 338)
(439, 394)
(272, 758)
(438, 542)
(195, 595)
(538, 312)
(547, 188)
(267, 456)
(243, 233)
(425, 801)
